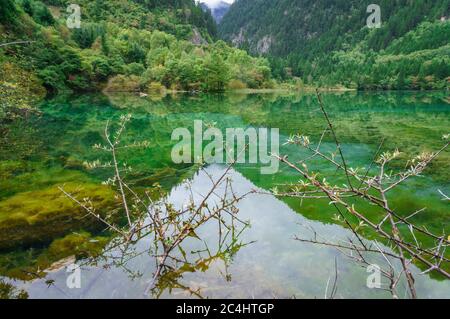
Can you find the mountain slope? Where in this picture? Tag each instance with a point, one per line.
(133, 45)
(305, 36)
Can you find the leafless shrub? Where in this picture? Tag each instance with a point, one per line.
(161, 220)
(371, 188)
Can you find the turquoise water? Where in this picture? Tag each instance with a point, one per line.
(48, 150)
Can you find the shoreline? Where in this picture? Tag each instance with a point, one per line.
(262, 91)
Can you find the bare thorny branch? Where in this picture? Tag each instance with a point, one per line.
(369, 186)
(168, 225)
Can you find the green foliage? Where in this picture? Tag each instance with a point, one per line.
(87, 34)
(134, 69)
(427, 36)
(424, 69)
(328, 42)
(52, 77)
(8, 12)
(216, 73)
(38, 11)
(19, 89)
(236, 85)
(209, 68)
(156, 88)
(167, 42)
(123, 83)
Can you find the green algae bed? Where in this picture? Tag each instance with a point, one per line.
(39, 216)
(40, 226)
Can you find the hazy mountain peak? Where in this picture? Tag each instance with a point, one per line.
(218, 8)
(212, 4)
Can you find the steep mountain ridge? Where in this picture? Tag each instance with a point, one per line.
(310, 38)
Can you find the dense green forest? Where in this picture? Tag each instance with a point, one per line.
(155, 45)
(121, 45)
(329, 43)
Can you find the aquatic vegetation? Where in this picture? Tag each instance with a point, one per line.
(373, 188)
(171, 226)
(40, 216)
(23, 176)
(9, 169)
(50, 150)
(30, 264)
(81, 244)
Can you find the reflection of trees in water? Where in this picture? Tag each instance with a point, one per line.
(169, 226)
(357, 117)
(171, 247)
(182, 262)
(410, 241)
(8, 291)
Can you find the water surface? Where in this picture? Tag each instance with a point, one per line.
(43, 152)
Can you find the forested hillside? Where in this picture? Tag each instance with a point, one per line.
(329, 43)
(122, 45)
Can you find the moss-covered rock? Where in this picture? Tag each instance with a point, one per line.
(29, 264)
(79, 245)
(41, 216)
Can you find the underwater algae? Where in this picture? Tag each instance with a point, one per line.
(39, 216)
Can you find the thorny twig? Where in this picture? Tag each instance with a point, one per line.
(369, 185)
(169, 226)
